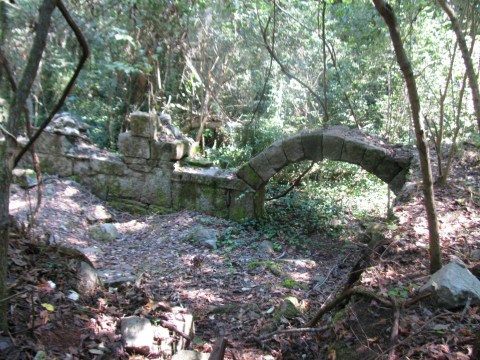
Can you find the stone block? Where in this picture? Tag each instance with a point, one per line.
(170, 151)
(262, 167)
(133, 146)
(143, 124)
(51, 143)
(56, 164)
(247, 174)
(332, 144)
(387, 169)
(107, 165)
(372, 158)
(81, 167)
(313, 145)
(293, 148)
(196, 196)
(137, 334)
(276, 156)
(398, 181)
(353, 151)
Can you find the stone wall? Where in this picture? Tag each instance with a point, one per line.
(151, 174)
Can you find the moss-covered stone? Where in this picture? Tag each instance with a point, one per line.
(247, 174)
(198, 162)
(130, 206)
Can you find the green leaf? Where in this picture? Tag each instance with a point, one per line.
(48, 306)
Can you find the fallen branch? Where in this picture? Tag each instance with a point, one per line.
(218, 352)
(394, 334)
(295, 184)
(293, 331)
(173, 328)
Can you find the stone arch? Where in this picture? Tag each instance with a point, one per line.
(389, 163)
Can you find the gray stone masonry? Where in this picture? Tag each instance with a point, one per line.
(149, 175)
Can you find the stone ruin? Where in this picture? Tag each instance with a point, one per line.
(153, 174)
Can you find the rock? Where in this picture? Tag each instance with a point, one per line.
(87, 278)
(137, 335)
(265, 248)
(103, 232)
(25, 178)
(475, 255)
(98, 213)
(204, 236)
(452, 285)
(117, 276)
(190, 355)
(6, 347)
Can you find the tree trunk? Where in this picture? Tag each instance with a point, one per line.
(8, 147)
(405, 66)
(467, 59)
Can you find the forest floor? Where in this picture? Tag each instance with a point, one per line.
(239, 290)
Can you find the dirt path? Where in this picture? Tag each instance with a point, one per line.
(234, 289)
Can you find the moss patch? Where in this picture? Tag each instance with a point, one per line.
(270, 265)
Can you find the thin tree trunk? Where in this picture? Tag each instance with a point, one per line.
(467, 59)
(8, 147)
(405, 66)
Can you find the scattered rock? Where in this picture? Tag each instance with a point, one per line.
(204, 236)
(190, 355)
(97, 214)
(6, 347)
(25, 178)
(117, 276)
(453, 285)
(87, 278)
(103, 232)
(137, 335)
(475, 255)
(265, 249)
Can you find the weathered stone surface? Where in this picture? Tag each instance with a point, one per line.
(191, 195)
(313, 145)
(25, 178)
(387, 169)
(81, 167)
(204, 236)
(190, 355)
(117, 276)
(98, 213)
(453, 285)
(265, 249)
(398, 181)
(143, 124)
(50, 143)
(276, 156)
(293, 148)
(262, 167)
(243, 204)
(103, 232)
(372, 158)
(247, 174)
(57, 164)
(170, 151)
(353, 151)
(137, 334)
(101, 164)
(87, 278)
(134, 146)
(333, 140)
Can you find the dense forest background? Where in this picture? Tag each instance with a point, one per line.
(237, 75)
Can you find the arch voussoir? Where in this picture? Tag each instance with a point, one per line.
(276, 156)
(312, 142)
(333, 140)
(293, 148)
(247, 174)
(262, 166)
